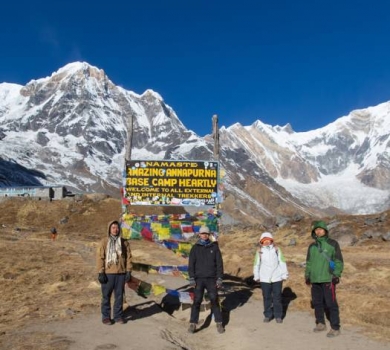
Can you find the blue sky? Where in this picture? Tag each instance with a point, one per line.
(302, 62)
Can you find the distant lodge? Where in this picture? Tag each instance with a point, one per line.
(36, 192)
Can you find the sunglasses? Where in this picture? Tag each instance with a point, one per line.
(266, 240)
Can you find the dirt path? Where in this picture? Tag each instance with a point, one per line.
(50, 300)
(150, 328)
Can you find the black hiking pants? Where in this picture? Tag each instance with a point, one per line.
(210, 285)
(324, 298)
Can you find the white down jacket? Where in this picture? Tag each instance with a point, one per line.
(269, 265)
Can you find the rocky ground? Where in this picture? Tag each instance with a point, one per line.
(50, 296)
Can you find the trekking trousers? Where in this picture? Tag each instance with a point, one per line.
(116, 285)
(324, 299)
(272, 299)
(210, 285)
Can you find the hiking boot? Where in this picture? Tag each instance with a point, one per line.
(279, 320)
(192, 328)
(333, 333)
(107, 321)
(266, 320)
(220, 328)
(120, 321)
(319, 327)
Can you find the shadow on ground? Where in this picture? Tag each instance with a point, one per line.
(142, 310)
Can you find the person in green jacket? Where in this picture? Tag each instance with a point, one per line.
(324, 265)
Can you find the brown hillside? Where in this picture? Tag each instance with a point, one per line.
(49, 280)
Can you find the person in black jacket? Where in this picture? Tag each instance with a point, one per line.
(205, 270)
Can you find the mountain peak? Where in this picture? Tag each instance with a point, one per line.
(74, 67)
(151, 93)
(73, 126)
(78, 69)
(286, 128)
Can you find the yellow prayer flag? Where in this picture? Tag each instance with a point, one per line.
(126, 233)
(157, 289)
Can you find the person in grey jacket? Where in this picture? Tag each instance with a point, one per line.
(114, 266)
(270, 269)
(205, 270)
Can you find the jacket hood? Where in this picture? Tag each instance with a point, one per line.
(109, 225)
(318, 224)
(266, 235)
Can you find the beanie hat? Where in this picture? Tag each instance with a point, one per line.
(204, 229)
(318, 224)
(266, 236)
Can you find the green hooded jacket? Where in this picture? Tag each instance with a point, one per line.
(319, 255)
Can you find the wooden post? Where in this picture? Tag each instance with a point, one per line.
(216, 137)
(216, 153)
(128, 146)
(129, 139)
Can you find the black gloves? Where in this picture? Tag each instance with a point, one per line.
(219, 283)
(128, 277)
(335, 280)
(102, 278)
(307, 281)
(192, 282)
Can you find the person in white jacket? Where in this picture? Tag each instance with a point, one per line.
(270, 269)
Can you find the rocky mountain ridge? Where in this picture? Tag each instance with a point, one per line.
(72, 128)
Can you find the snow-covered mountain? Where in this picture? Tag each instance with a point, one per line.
(71, 129)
